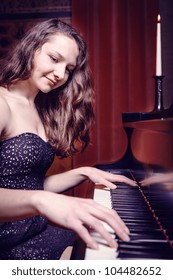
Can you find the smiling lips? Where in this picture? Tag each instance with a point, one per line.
(52, 82)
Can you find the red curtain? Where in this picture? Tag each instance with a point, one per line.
(121, 39)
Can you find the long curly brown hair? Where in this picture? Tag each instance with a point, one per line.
(67, 112)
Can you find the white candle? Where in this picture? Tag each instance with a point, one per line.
(158, 49)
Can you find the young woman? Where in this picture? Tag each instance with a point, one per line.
(46, 98)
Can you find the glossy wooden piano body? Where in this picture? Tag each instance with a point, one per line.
(147, 211)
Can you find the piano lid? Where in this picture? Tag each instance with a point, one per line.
(152, 142)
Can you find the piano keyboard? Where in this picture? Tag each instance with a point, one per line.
(148, 213)
(103, 197)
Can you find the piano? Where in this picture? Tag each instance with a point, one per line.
(147, 210)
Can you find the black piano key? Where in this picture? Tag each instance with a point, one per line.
(144, 255)
(145, 249)
(144, 235)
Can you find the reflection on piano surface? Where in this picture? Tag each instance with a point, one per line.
(147, 209)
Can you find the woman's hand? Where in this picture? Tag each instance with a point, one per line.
(66, 180)
(107, 179)
(158, 178)
(81, 215)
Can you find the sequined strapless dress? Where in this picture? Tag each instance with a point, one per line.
(24, 160)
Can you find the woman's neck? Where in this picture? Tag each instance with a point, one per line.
(24, 90)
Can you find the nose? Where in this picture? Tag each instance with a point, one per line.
(59, 72)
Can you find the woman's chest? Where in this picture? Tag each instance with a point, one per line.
(25, 119)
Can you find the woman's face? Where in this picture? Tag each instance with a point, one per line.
(54, 62)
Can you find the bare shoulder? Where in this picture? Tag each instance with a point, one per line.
(4, 107)
(5, 112)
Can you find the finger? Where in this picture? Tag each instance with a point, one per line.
(117, 224)
(110, 218)
(143, 183)
(99, 233)
(124, 179)
(106, 183)
(84, 234)
(119, 178)
(102, 236)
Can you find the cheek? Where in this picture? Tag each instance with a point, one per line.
(40, 64)
(40, 69)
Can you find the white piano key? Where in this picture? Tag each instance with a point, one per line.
(102, 196)
(104, 252)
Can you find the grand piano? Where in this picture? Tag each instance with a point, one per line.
(147, 210)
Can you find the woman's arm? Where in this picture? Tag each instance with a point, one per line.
(16, 204)
(69, 179)
(77, 214)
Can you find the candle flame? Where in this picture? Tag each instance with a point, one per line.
(158, 18)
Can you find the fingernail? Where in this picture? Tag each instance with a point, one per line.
(126, 237)
(127, 230)
(94, 246)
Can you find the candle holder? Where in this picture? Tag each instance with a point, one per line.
(158, 111)
(158, 106)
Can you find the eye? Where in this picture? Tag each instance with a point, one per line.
(53, 58)
(69, 71)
